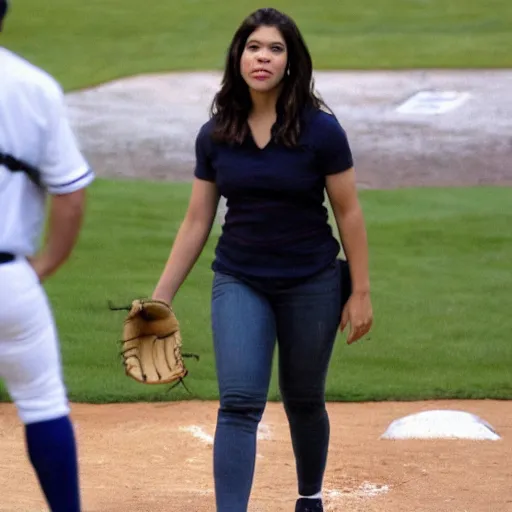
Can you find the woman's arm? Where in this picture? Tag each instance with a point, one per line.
(342, 192)
(190, 239)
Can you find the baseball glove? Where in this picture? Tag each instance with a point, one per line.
(151, 343)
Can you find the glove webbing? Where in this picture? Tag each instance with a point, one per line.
(184, 355)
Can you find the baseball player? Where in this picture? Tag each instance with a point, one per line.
(39, 157)
(274, 152)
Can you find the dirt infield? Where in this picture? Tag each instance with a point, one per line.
(157, 457)
(146, 126)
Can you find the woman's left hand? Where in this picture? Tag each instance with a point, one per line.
(358, 312)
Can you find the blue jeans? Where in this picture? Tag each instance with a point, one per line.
(248, 316)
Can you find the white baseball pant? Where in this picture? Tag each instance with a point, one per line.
(30, 362)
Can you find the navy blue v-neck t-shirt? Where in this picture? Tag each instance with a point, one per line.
(276, 225)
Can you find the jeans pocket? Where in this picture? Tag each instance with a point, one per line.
(219, 283)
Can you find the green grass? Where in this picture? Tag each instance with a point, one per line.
(86, 43)
(440, 266)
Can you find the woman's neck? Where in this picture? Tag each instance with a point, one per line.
(264, 103)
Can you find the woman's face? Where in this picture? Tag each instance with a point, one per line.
(264, 59)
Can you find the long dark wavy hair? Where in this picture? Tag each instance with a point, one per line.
(232, 103)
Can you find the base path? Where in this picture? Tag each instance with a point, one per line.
(158, 458)
(146, 126)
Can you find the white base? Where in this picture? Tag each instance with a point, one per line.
(441, 424)
(433, 102)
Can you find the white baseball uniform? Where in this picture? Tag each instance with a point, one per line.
(33, 128)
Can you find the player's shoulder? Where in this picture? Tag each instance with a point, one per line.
(24, 76)
(321, 119)
(205, 135)
(321, 126)
(206, 129)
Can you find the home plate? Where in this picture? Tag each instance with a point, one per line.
(441, 424)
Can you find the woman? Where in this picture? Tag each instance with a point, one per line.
(272, 151)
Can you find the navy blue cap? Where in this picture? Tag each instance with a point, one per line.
(3, 9)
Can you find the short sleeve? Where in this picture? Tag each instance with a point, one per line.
(204, 169)
(63, 167)
(334, 152)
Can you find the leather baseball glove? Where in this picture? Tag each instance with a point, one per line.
(151, 343)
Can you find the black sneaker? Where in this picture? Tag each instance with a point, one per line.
(309, 505)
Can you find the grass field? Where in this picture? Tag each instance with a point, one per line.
(441, 290)
(85, 43)
(440, 258)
